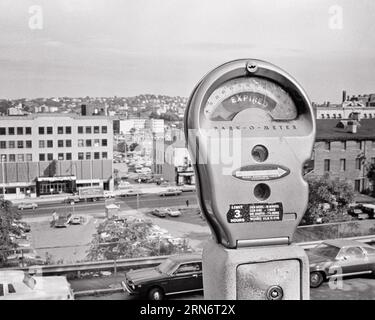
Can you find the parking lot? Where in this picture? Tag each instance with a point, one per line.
(70, 244)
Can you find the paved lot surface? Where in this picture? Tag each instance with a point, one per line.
(71, 244)
(65, 244)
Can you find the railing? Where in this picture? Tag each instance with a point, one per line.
(114, 265)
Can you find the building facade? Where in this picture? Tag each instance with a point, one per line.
(177, 165)
(45, 154)
(344, 151)
(345, 112)
(362, 105)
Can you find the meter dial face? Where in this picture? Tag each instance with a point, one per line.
(258, 98)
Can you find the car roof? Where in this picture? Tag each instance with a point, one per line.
(186, 257)
(11, 276)
(340, 243)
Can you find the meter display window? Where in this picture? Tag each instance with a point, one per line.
(257, 97)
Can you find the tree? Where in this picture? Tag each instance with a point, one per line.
(130, 239)
(133, 146)
(328, 200)
(8, 229)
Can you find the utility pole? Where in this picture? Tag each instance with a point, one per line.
(3, 174)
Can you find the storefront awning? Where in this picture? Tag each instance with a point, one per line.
(185, 174)
(54, 179)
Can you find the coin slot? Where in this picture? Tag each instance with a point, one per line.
(259, 153)
(262, 191)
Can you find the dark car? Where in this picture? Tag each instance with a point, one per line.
(161, 213)
(338, 258)
(62, 221)
(177, 274)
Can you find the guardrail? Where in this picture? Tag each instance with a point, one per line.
(312, 244)
(95, 266)
(115, 265)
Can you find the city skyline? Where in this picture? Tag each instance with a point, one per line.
(125, 48)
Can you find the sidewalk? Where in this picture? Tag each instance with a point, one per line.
(98, 283)
(144, 187)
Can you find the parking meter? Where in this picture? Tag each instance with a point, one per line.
(250, 128)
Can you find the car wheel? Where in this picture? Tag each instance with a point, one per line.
(156, 294)
(316, 279)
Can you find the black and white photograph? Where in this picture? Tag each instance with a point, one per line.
(194, 150)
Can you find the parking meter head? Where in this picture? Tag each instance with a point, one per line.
(250, 129)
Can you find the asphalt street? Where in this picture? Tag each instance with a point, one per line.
(362, 288)
(125, 203)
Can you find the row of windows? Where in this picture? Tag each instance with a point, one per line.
(89, 155)
(16, 144)
(28, 157)
(15, 130)
(49, 143)
(68, 143)
(16, 157)
(68, 156)
(338, 116)
(343, 166)
(359, 145)
(49, 130)
(68, 130)
(89, 130)
(49, 156)
(60, 143)
(92, 143)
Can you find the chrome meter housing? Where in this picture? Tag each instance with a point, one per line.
(265, 119)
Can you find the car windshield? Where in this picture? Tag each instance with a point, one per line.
(325, 250)
(167, 266)
(29, 281)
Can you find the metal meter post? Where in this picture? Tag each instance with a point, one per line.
(250, 128)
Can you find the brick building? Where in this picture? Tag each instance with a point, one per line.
(343, 149)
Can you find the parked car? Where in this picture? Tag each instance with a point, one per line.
(170, 192)
(188, 187)
(63, 220)
(22, 257)
(132, 192)
(173, 212)
(76, 220)
(358, 213)
(368, 209)
(71, 199)
(18, 285)
(177, 274)
(25, 227)
(27, 205)
(161, 213)
(108, 194)
(337, 258)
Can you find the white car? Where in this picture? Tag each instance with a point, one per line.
(18, 285)
(108, 194)
(75, 220)
(173, 212)
(27, 205)
(170, 192)
(188, 187)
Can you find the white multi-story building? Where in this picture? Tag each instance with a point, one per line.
(55, 153)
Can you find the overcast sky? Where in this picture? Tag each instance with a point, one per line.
(129, 47)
